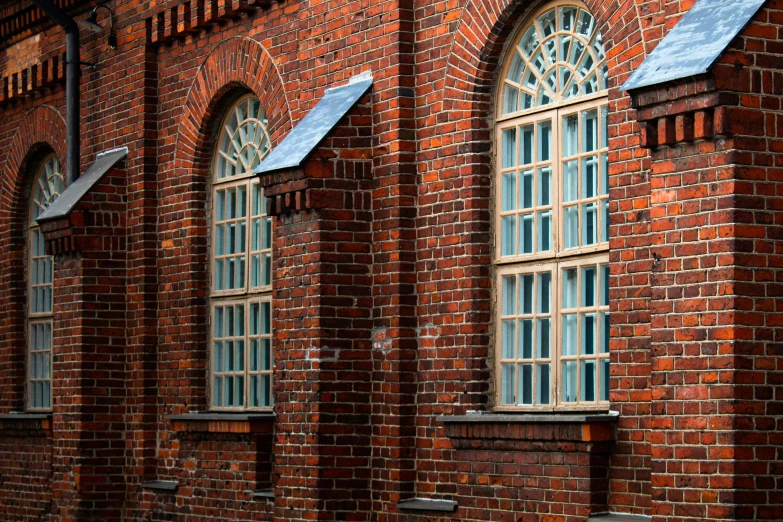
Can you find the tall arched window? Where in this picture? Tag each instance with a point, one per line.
(551, 227)
(47, 186)
(241, 265)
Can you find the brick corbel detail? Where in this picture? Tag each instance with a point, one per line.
(66, 235)
(673, 115)
(301, 189)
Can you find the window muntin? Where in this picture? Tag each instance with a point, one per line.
(552, 217)
(241, 265)
(558, 57)
(47, 186)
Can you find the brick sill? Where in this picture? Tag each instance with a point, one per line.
(577, 427)
(26, 422)
(223, 422)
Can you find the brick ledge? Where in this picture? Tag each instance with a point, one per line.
(223, 422)
(617, 517)
(530, 418)
(26, 422)
(525, 428)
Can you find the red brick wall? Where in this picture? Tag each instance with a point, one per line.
(26, 463)
(384, 317)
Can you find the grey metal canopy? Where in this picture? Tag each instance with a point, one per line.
(314, 127)
(63, 205)
(694, 44)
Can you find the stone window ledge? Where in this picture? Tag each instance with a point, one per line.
(26, 422)
(161, 486)
(617, 517)
(427, 504)
(223, 422)
(571, 426)
(263, 494)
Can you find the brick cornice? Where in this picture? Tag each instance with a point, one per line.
(62, 235)
(301, 189)
(684, 111)
(190, 16)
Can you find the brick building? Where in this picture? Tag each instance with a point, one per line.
(398, 261)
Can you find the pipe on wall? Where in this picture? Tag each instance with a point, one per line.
(72, 76)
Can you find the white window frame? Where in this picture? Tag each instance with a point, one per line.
(246, 295)
(44, 318)
(558, 258)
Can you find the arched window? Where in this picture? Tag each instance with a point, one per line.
(47, 186)
(551, 228)
(241, 265)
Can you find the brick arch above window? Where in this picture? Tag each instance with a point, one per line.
(236, 67)
(40, 132)
(43, 128)
(479, 41)
(237, 64)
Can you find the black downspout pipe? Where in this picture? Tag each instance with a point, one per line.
(72, 75)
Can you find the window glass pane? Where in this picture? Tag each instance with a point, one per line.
(588, 381)
(569, 288)
(545, 231)
(570, 135)
(545, 186)
(605, 126)
(217, 398)
(544, 293)
(509, 292)
(526, 339)
(590, 177)
(507, 246)
(266, 355)
(526, 145)
(239, 354)
(508, 333)
(218, 356)
(542, 384)
(527, 293)
(569, 335)
(509, 191)
(588, 286)
(567, 17)
(570, 181)
(254, 359)
(526, 238)
(526, 384)
(266, 390)
(545, 141)
(509, 145)
(267, 241)
(544, 330)
(605, 221)
(605, 380)
(266, 273)
(589, 224)
(255, 235)
(589, 126)
(604, 318)
(507, 388)
(568, 393)
(526, 190)
(254, 391)
(588, 334)
(516, 69)
(529, 41)
(510, 99)
(571, 227)
(266, 318)
(547, 23)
